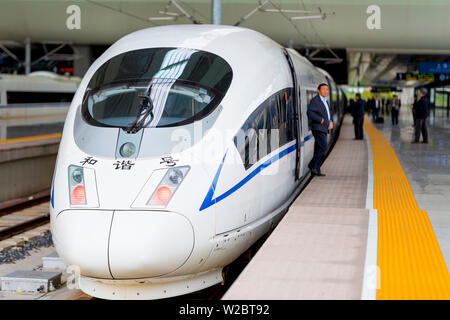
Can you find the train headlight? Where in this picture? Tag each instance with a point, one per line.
(167, 186)
(127, 149)
(77, 175)
(76, 185)
(175, 175)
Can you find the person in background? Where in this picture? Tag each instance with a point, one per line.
(413, 108)
(395, 110)
(358, 116)
(321, 123)
(388, 104)
(376, 108)
(370, 107)
(421, 109)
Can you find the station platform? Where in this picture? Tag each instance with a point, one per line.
(26, 168)
(359, 232)
(30, 126)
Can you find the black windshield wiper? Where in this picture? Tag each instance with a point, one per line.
(145, 110)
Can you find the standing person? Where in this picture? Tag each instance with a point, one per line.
(371, 107)
(376, 108)
(395, 110)
(413, 108)
(322, 121)
(421, 110)
(358, 116)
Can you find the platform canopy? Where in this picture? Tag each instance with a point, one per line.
(400, 26)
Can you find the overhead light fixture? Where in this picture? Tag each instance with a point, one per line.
(287, 11)
(170, 13)
(173, 15)
(161, 18)
(308, 17)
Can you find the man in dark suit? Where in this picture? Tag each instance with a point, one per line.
(395, 109)
(319, 113)
(358, 116)
(371, 107)
(421, 109)
(413, 107)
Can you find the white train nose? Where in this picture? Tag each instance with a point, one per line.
(81, 239)
(146, 244)
(123, 244)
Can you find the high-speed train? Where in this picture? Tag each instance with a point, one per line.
(182, 146)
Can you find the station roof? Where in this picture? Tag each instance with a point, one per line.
(418, 26)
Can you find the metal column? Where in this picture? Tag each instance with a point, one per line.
(27, 55)
(216, 12)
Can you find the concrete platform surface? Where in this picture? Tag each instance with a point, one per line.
(318, 249)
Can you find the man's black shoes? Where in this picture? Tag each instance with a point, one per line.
(315, 173)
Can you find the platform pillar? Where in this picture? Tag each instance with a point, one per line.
(27, 55)
(216, 12)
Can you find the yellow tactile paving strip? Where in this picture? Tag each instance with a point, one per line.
(410, 261)
(31, 138)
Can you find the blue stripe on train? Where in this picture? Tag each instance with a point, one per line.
(209, 201)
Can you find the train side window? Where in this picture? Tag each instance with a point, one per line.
(285, 123)
(269, 127)
(291, 119)
(246, 141)
(251, 148)
(283, 128)
(263, 130)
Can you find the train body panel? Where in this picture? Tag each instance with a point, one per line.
(181, 145)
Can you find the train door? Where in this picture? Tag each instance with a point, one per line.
(330, 104)
(297, 116)
(330, 95)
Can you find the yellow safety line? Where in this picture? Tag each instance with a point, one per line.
(410, 261)
(37, 116)
(31, 138)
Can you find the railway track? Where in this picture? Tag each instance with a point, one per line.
(25, 221)
(21, 218)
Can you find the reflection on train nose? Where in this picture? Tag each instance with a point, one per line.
(81, 239)
(146, 244)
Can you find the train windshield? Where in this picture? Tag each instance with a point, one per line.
(157, 87)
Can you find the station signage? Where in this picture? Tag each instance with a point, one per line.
(385, 89)
(434, 67)
(415, 76)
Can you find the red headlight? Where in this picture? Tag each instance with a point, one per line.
(162, 195)
(78, 195)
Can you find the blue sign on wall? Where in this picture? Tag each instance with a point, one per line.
(434, 67)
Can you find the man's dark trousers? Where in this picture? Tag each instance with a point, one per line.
(320, 147)
(358, 121)
(375, 114)
(394, 116)
(420, 126)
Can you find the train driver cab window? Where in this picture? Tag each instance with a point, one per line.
(156, 87)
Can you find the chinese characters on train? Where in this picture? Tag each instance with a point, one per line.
(168, 161)
(123, 165)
